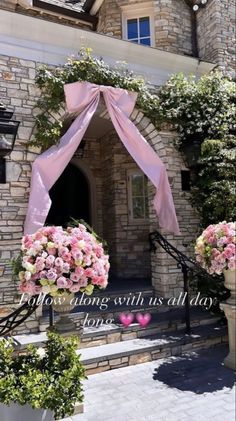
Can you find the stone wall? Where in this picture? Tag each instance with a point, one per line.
(127, 240)
(216, 33)
(172, 22)
(173, 26)
(18, 91)
(166, 277)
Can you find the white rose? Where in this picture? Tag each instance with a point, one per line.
(27, 275)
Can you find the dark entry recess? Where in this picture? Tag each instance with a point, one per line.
(70, 197)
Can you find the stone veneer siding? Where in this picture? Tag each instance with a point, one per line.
(128, 240)
(172, 22)
(129, 244)
(216, 34)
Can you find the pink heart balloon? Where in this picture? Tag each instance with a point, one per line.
(143, 319)
(126, 319)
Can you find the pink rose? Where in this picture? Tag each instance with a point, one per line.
(51, 275)
(74, 288)
(50, 261)
(66, 267)
(74, 277)
(59, 262)
(62, 282)
(83, 282)
(89, 272)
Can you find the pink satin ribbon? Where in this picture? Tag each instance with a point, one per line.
(83, 98)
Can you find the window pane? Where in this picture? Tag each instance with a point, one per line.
(138, 208)
(137, 185)
(145, 41)
(132, 28)
(144, 27)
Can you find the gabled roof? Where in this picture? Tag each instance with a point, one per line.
(70, 8)
(68, 4)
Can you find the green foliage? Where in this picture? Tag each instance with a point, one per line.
(214, 191)
(212, 287)
(87, 68)
(51, 381)
(203, 108)
(200, 110)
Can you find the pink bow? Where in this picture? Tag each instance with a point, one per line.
(83, 98)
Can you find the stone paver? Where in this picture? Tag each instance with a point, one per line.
(194, 387)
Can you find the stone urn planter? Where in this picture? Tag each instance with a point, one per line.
(63, 305)
(215, 252)
(229, 308)
(15, 412)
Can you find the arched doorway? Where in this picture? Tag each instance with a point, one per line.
(70, 197)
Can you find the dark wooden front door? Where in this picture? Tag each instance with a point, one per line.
(70, 197)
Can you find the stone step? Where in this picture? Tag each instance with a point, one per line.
(106, 334)
(92, 315)
(116, 355)
(163, 322)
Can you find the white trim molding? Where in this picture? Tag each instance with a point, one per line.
(96, 6)
(35, 39)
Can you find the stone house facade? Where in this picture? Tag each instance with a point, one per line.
(118, 197)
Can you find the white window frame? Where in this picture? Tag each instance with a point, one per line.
(136, 12)
(130, 197)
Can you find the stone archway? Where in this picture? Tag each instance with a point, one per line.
(166, 277)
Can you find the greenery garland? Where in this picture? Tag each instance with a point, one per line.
(202, 110)
(51, 81)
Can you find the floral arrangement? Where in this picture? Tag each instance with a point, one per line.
(215, 248)
(56, 260)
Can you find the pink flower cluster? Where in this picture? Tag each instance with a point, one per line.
(215, 248)
(55, 260)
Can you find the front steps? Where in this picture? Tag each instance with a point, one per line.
(130, 352)
(110, 346)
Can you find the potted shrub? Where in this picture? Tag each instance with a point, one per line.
(42, 384)
(61, 262)
(215, 251)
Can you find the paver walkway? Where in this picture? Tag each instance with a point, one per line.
(193, 387)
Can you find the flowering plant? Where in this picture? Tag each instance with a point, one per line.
(56, 260)
(215, 248)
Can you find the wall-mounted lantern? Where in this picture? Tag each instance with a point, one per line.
(199, 3)
(8, 132)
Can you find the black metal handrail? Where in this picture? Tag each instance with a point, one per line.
(184, 262)
(17, 317)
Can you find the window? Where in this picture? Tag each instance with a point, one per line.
(138, 196)
(138, 30)
(138, 23)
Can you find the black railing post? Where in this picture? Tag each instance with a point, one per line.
(186, 302)
(51, 316)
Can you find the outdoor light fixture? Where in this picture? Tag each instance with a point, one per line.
(8, 132)
(80, 151)
(199, 3)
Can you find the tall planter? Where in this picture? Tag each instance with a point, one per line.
(15, 412)
(64, 324)
(229, 308)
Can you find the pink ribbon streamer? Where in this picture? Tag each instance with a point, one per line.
(83, 98)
